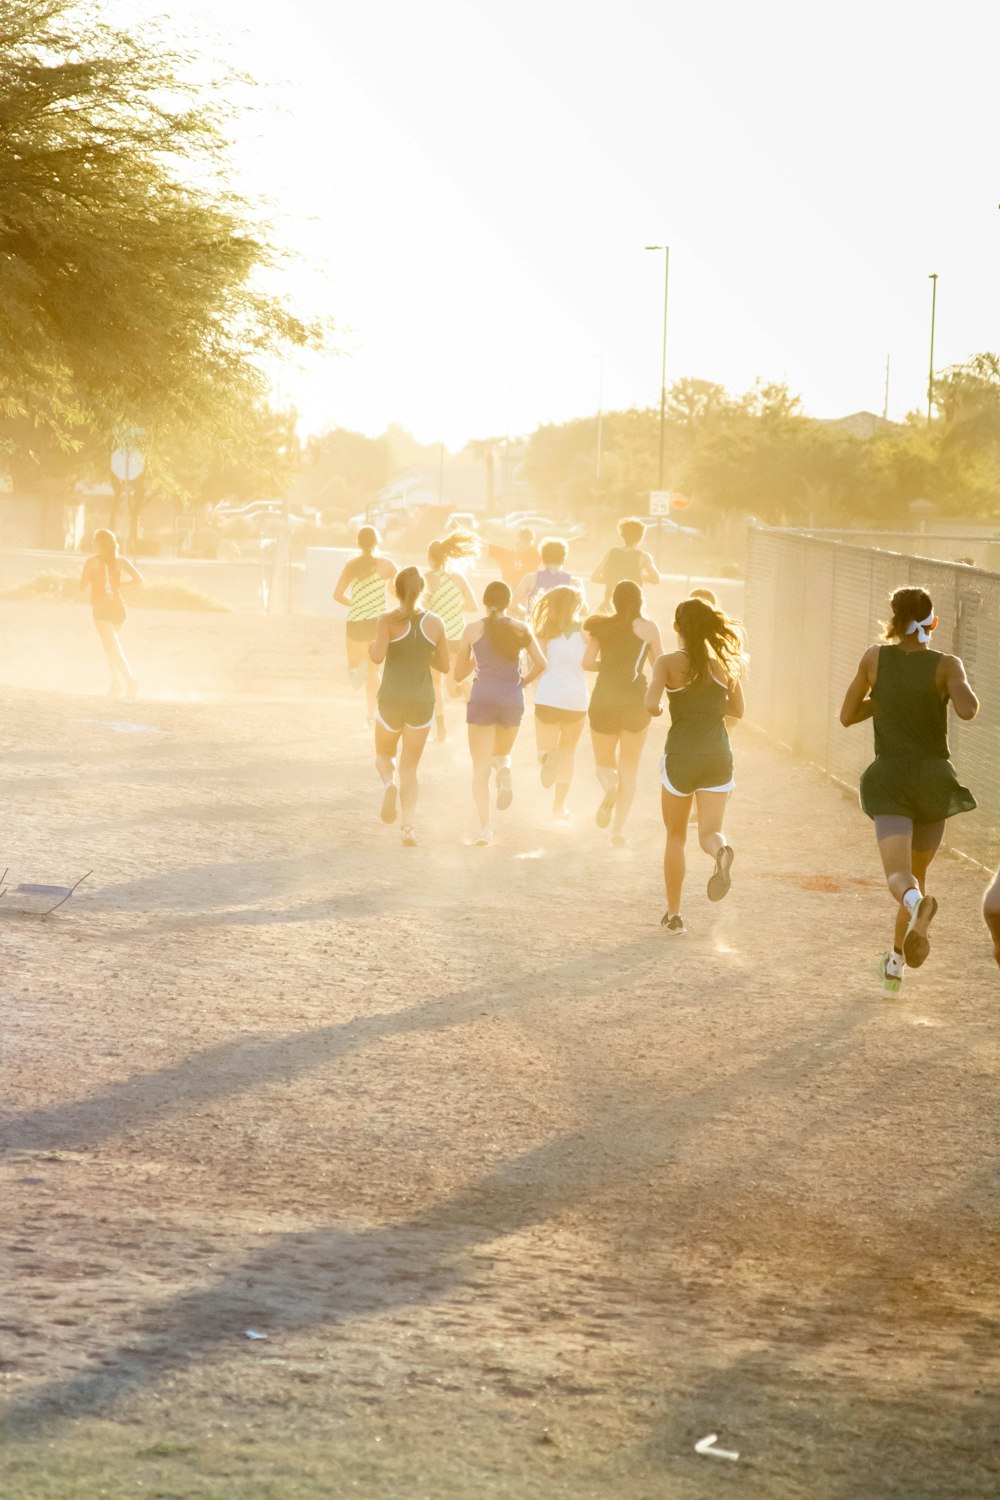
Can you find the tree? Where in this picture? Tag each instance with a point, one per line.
(128, 266)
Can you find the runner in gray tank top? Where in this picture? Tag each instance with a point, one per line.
(412, 644)
(627, 563)
(911, 786)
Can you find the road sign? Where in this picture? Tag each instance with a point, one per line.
(659, 502)
(127, 464)
(679, 501)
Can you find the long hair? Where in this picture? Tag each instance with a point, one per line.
(627, 603)
(557, 612)
(907, 605)
(708, 632)
(107, 544)
(507, 637)
(368, 540)
(409, 585)
(457, 544)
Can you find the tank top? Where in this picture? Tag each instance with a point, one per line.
(105, 582)
(367, 597)
(910, 717)
(406, 676)
(623, 565)
(698, 752)
(619, 673)
(446, 602)
(563, 684)
(550, 578)
(498, 679)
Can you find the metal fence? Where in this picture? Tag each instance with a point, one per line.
(814, 605)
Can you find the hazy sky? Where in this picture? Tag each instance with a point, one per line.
(472, 186)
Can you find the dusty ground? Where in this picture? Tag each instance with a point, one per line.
(527, 1197)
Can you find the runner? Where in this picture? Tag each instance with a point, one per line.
(625, 563)
(492, 648)
(449, 597)
(361, 586)
(516, 561)
(561, 691)
(702, 683)
(991, 914)
(618, 646)
(106, 574)
(911, 787)
(551, 575)
(411, 642)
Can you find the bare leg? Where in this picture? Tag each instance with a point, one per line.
(386, 744)
(358, 660)
(372, 678)
(503, 744)
(546, 739)
(114, 654)
(481, 749)
(905, 872)
(676, 815)
(569, 738)
(413, 747)
(439, 706)
(629, 752)
(991, 914)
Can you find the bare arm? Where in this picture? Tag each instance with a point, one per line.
(650, 572)
(524, 591)
(651, 635)
(465, 661)
(131, 574)
(536, 658)
(963, 699)
(735, 707)
(340, 593)
(441, 660)
(600, 572)
(657, 683)
(591, 655)
(858, 705)
(85, 575)
(380, 645)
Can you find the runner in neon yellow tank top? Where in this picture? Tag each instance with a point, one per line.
(362, 588)
(450, 598)
(911, 787)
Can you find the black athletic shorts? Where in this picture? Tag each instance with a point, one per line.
(618, 718)
(396, 716)
(546, 715)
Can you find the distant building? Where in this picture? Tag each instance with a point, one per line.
(860, 424)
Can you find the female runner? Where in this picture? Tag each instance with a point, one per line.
(702, 683)
(361, 586)
(449, 597)
(911, 787)
(561, 691)
(106, 574)
(551, 575)
(411, 642)
(625, 563)
(492, 648)
(618, 646)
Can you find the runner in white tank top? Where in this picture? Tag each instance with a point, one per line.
(561, 694)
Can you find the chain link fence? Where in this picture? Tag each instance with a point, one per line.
(813, 606)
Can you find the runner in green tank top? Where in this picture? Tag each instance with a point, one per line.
(361, 587)
(627, 563)
(412, 645)
(450, 598)
(911, 787)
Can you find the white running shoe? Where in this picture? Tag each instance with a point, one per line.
(891, 968)
(409, 837)
(505, 791)
(674, 925)
(916, 944)
(484, 837)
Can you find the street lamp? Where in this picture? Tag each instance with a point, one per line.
(663, 360)
(930, 378)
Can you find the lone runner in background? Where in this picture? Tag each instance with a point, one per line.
(911, 787)
(361, 586)
(518, 561)
(627, 563)
(106, 574)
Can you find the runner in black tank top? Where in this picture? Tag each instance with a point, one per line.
(702, 684)
(911, 786)
(412, 645)
(625, 564)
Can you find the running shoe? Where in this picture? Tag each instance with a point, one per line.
(719, 881)
(388, 813)
(409, 837)
(550, 768)
(607, 808)
(619, 841)
(916, 944)
(674, 925)
(483, 838)
(890, 971)
(505, 792)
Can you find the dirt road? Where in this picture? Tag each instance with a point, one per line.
(527, 1197)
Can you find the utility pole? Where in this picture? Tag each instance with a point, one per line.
(885, 404)
(930, 377)
(600, 420)
(663, 357)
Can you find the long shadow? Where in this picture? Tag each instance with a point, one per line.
(246, 1064)
(331, 1276)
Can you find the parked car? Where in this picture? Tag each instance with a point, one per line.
(668, 525)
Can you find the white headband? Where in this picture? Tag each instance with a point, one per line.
(923, 628)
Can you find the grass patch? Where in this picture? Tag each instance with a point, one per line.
(52, 587)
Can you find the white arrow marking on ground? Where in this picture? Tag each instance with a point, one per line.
(706, 1445)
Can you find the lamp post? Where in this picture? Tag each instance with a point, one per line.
(663, 359)
(930, 377)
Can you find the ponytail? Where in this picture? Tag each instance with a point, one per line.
(627, 601)
(506, 636)
(409, 585)
(705, 630)
(910, 608)
(457, 544)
